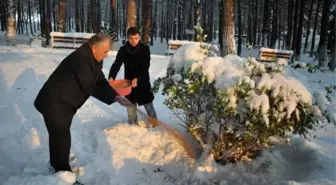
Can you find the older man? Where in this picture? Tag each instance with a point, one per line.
(77, 77)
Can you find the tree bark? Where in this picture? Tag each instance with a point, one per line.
(113, 18)
(77, 15)
(324, 33)
(289, 24)
(255, 24)
(308, 25)
(147, 18)
(131, 13)
(30, 20)
(10, 34)
(299, 32)
(296, 14)
(266, 26)
(228, 28)
(3, 14)
(240, 39)
(312, 47)
(61, 24)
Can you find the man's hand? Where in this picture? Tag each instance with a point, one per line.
(123, 101)
(134, 82)
(110, 80)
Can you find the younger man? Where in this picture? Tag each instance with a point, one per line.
(136, 59)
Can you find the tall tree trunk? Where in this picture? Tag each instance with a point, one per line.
(3, 14)
(19, 27)
(175, 4)
(61, 24)
(180, 20)
(197, 19)
(331, 41)
(131, 14)
(296, 15)
(274, 24)
(36, 23)
(228, 28)
(93, 15)
(324, 33)
(308, 26)
(26, 22)
(10, 34)
(279, 22)
(250, 25)
(266, 26)
(82, 15)
(221, 23)
(113, 19)
(77, 14)
(255, 23)
(30, 20)
(89, 17)
(167, 22)
(98, 15)
(124, 21)
(240, 30)
(162, 25)
(48, 22)
(312, 47)
(299, 32)
(54, 15)
(289, 24)
(147, 18)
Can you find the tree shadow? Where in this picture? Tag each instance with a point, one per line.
(298, 162)
(22, 138)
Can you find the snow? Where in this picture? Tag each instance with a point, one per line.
(105, 150)
(276, 51)
(182, 42)
(72, 34)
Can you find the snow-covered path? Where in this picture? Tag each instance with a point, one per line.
(107, 151)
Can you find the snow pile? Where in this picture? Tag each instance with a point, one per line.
(127, 153)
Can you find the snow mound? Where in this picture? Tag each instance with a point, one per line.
(60, 178)
(126, 153)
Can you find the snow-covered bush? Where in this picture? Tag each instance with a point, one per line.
(235, 106)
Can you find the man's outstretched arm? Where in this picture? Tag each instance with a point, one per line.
(116, 65)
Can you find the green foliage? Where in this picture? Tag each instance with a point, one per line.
(242, 129)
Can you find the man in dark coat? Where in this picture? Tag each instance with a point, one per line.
(77, 77)
(136, 59)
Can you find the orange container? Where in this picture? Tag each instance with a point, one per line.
(122, 87)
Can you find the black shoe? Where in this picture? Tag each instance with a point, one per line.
(78, 183)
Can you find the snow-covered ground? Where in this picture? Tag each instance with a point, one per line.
(106, 150)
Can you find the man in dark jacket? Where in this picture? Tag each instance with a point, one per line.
(77, 77)
(136, 59)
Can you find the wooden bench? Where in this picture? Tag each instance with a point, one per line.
(273, 55)
(173, 45)
(71, 40)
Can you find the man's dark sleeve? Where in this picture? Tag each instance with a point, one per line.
(84, 74)
(103, 91)
(145, 64)
(116, 65)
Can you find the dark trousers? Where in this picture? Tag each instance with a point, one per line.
(59, 145)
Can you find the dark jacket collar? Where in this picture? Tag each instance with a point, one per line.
(130, 49)
(86, 51)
